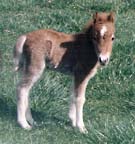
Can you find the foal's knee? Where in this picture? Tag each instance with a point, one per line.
(80, 100)
(22, 90)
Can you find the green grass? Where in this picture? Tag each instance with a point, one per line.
(109, 112)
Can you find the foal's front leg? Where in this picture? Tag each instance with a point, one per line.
(72, 109)
(77, 102)
(78, 99)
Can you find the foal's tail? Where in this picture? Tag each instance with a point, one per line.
(18, 51)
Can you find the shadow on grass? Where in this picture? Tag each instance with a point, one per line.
(43, 119)
(7, 110)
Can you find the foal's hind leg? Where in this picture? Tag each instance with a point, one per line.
(23, 111)
(29, 115)
(22, 104)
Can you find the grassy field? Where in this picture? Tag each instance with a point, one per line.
(109, 112)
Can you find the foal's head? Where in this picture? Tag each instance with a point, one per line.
(102, 34)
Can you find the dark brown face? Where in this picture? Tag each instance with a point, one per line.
(104, 37)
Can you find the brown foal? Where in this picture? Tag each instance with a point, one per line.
(76, 54)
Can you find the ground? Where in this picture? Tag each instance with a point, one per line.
(109, 112)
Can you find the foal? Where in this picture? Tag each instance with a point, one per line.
(77, 54)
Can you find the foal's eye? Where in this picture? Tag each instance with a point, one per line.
(113, 38)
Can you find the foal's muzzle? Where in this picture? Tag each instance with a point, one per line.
(103, 59)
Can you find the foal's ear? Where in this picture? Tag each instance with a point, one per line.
(111, 17)
(95, 15)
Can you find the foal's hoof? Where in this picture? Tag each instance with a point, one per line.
(25, 125)
(28, 127)
(83, 130)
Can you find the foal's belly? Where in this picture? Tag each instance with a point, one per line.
(63, 67)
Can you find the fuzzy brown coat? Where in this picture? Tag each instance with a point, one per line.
(76, 54)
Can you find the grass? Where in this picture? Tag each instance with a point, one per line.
(109, 112)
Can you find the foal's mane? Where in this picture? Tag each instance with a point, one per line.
(88, 26)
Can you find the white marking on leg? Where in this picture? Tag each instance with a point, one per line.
(72, 114)
(22, 107)
(29, 116)
(80, 100)
(103, 30)
(79, 114)
(28, 110)
(72, 109)
(23, 110)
